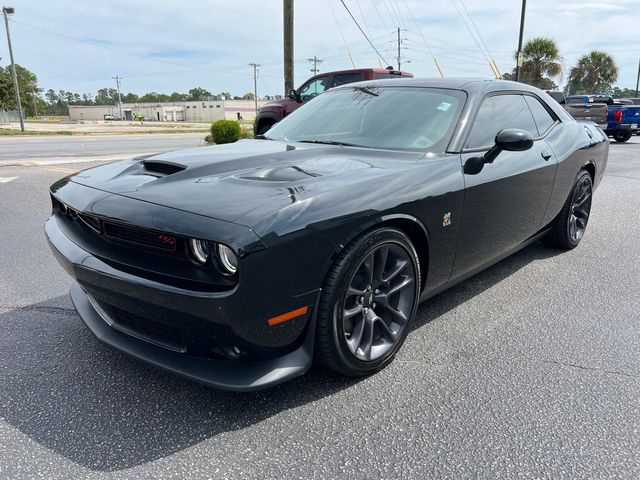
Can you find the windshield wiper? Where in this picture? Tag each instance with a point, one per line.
(367, 91)
(261, 136)
(330, 142)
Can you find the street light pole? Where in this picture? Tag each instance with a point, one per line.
(6, 11)
(638, 79)
(117, 79)
(519, 64)
(255, 85)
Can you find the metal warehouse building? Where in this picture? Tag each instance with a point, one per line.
(205, 111)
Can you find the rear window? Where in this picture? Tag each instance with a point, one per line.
(344, 78)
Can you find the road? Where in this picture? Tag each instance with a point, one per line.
(58, 149)
(530, 369)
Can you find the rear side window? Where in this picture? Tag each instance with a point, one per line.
(497, 113)
(344, 78)
(542, 117)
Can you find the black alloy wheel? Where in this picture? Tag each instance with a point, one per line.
(580, 209)
(570, 225)
(378, 302)
(368, 303)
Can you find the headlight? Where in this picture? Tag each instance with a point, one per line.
(199, 250)
(228, 259)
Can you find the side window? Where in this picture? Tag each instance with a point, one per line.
(542, 117)
(342, 78)
(497, 113)
(315, 87)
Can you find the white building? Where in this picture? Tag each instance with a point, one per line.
(206, 111)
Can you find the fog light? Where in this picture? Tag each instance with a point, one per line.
(228, 259)
(199, 250)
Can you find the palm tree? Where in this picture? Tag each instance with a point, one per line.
(541, 60)
(594, 73)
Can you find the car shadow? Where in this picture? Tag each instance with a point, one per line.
(107, 412)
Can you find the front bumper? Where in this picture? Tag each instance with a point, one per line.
(94, 278)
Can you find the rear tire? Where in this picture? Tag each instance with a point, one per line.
(264, 128)
(621, 137)
(570, 225)
(368, 303)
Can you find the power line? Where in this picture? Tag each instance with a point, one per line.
(362, 31)
(424, 40)
(481, 39)
(341, 33)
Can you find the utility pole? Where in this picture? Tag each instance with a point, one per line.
(255, 85)
(117, 79)
(6, 11)
(287, 11)
(315, 60)
(399, 46)
(638, 79)
(519, 64)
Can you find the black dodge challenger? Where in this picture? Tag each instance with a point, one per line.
(238, 265)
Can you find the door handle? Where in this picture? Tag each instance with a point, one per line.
(546, 155)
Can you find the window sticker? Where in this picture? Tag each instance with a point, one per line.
(444, 106)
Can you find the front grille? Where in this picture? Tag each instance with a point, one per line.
(140, 237)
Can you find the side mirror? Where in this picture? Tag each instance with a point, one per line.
(509, 139)
(293, 95)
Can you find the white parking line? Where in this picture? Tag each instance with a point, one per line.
(7, 179)
(59, 160)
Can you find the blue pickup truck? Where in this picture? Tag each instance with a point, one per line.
(623, 118)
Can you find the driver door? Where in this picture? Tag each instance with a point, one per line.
(505, 203)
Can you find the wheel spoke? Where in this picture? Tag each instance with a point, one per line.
(582, 201)
(380, 264)
(351, 291)
(350, 312)
(398, 315)
(356, 336)
(397, 269)
(368, 265)
(367, 340)
(391, 335)
(404, 283)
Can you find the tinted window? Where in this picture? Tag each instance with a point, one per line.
(377, 117)
(543, 118)
(342, 78)
(315, 87)
(497, 113)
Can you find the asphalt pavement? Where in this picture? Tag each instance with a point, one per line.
(47, 150)
(530, 369)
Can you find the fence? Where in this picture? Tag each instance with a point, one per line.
(9, 116)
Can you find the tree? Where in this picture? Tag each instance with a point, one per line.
(130, 98)
(248, 96)
(595, 73)
(541, 59)
(107, 96)
(27, 84)
(198, 94)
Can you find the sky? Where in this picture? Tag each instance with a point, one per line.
(166, 46)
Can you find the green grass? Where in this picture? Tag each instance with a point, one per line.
(18, 133)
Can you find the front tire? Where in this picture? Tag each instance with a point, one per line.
(621, 137)
(569, 227)
(368, 303)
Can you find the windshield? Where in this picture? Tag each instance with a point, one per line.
(403, 118)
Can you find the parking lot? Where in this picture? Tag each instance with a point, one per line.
(530, 369)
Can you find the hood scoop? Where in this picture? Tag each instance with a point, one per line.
(161, 169)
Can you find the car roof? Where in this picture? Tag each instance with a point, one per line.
(470, 85)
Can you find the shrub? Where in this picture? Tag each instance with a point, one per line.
(225, 131)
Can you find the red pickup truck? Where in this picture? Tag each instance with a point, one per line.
(273, 112)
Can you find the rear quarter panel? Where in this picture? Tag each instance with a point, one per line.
(574, 149)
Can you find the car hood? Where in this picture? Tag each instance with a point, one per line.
(244, 182)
